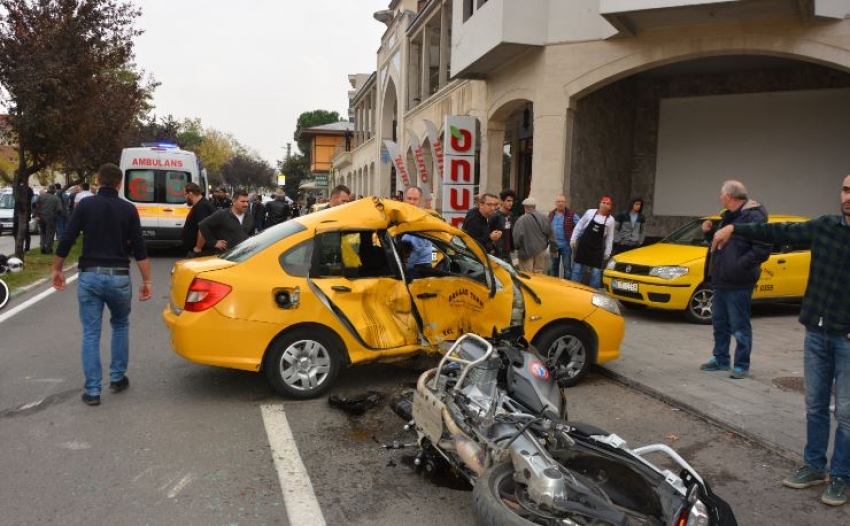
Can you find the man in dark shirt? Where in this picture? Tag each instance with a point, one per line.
(277, 210)
(220, 200)
(477, 223)
(825, 313)
(201, 209)
(110, 227)
(226, 228)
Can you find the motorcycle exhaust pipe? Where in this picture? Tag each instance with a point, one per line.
(467, 449)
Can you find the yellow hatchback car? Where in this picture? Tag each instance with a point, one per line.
(670, 274)
(314, 294)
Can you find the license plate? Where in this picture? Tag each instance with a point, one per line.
(148, 233)
(619, 284)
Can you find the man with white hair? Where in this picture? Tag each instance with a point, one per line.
(533, 236)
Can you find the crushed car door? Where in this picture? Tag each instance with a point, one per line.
(351, 270)
(453, 296)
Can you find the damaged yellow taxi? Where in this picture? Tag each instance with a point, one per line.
(306, 298)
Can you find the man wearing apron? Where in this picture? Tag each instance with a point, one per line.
(592, 241)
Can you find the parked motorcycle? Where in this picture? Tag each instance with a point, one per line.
(493, 412)
(8, 264)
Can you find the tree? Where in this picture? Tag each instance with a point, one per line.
(296, 168)
(216, 148)
(56, 56)
(247, 171)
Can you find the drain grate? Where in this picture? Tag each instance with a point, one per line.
(790, 383)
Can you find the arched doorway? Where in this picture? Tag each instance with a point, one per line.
(671, 130)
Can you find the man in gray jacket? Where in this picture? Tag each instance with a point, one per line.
(533, 235)
(48, 208)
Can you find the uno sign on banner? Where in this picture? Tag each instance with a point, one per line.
(459, 164)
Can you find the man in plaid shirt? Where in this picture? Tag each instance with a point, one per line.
(826, 315)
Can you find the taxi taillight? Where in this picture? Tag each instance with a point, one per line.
(204, 294)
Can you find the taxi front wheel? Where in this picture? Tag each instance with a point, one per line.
(568, 346)
(699, 306)
(302, 364)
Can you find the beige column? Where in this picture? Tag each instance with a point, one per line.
(424, 84)
(548, 165)
(445, 45)
(492, 143)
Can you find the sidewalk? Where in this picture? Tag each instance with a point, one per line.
(661, 355)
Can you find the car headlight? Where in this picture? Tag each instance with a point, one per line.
(611, 264)
(668, 272)
(604, 301)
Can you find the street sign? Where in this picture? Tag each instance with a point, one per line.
(281, 179)
(321, 180)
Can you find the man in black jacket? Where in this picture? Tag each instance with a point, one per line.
(226, 228)
(201, 209)
(112, 231)
(477, 223)
(733, 273)
(277, 210)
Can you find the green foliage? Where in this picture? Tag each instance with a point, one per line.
(296, 168)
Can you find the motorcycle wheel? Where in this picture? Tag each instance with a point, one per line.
(302, 364)
(574, 344)
(497, 500)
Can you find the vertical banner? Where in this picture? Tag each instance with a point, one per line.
(416, 146)
(459, 178)
(395, 155)
(436, 146)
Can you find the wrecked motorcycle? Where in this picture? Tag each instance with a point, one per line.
(493, 413)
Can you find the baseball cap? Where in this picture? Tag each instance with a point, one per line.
(606, 200)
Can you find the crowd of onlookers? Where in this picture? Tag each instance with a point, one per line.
(560, 242)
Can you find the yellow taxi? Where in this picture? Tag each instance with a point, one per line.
(317, 293)
(670, 274)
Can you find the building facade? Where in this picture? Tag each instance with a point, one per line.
(658, 99)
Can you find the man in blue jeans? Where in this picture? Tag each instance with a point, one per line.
(111, 228)
(733, 273)
(825, 313)
(563, 221)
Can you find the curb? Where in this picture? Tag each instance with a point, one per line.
(23, 290)
(743, 433)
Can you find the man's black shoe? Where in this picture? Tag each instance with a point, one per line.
(120, 385)
(91, 399)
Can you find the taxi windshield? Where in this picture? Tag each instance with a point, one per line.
(691, 235)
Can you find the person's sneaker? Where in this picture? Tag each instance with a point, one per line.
(120, 385)
(804, 477)
(739, 374)
(835, 493)
(91, 399)
(713, 365)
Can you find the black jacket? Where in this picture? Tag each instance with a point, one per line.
(478, 226)
(200, 211)
(738, 264)
(277, 211)
(224, 225)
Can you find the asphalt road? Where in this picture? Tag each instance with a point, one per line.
(186, 444)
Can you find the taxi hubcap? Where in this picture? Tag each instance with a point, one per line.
(701, 303)
(305, 365)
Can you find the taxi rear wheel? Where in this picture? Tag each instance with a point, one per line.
(570, 345)
(303, 364)
(699, 306)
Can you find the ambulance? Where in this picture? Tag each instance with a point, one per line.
(155, 176)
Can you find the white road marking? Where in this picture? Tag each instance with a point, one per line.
(32, 301)
(182, 483)
(302, 508)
